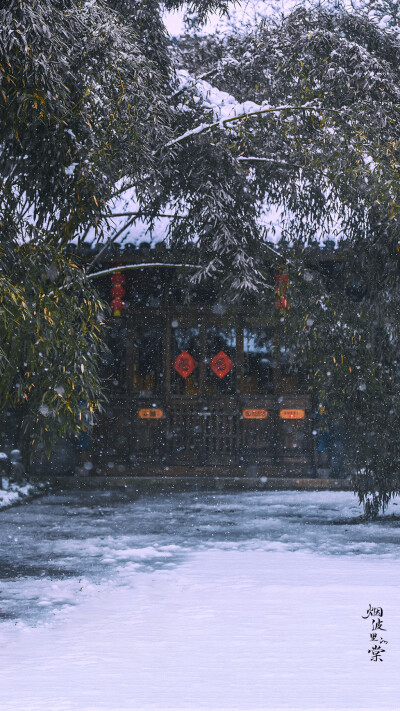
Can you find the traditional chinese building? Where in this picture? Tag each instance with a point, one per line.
(196, 385)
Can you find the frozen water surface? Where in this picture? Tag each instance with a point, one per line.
(111, 601)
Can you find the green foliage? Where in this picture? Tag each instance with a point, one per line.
(78, 97)
(384, 12)
(197, 11)
(51, 331)
(90, 103)
(345, 335)
(81, 101)
(84, 94)
(332, 171)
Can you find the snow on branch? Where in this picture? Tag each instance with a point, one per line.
(145, 265)
(262, 159)
(189, 81)
(204, 127)
(141, 214)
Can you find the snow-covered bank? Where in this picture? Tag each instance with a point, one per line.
(13, 493)
(198, 601)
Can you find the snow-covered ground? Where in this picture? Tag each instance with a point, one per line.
(111, 601)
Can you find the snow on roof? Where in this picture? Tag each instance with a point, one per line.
(123, 232)
(126, 228)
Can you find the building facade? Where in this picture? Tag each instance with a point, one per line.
(197, 385)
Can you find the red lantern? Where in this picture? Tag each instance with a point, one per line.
(118, 278)
(282, 281)
(282, 303)
(117, 306)
(283, 278)
(117, 292)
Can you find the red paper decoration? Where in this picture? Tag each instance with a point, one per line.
(292, 414)
(117, 292)
(185, 364)
(254, 414)
(221, 364)
(150, 413)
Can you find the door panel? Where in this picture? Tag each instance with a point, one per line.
(200, 434)
(209, 373)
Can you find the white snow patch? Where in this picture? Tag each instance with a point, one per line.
(12, 493)
(70, 169)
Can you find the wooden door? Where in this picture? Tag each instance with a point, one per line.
(203, 408)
